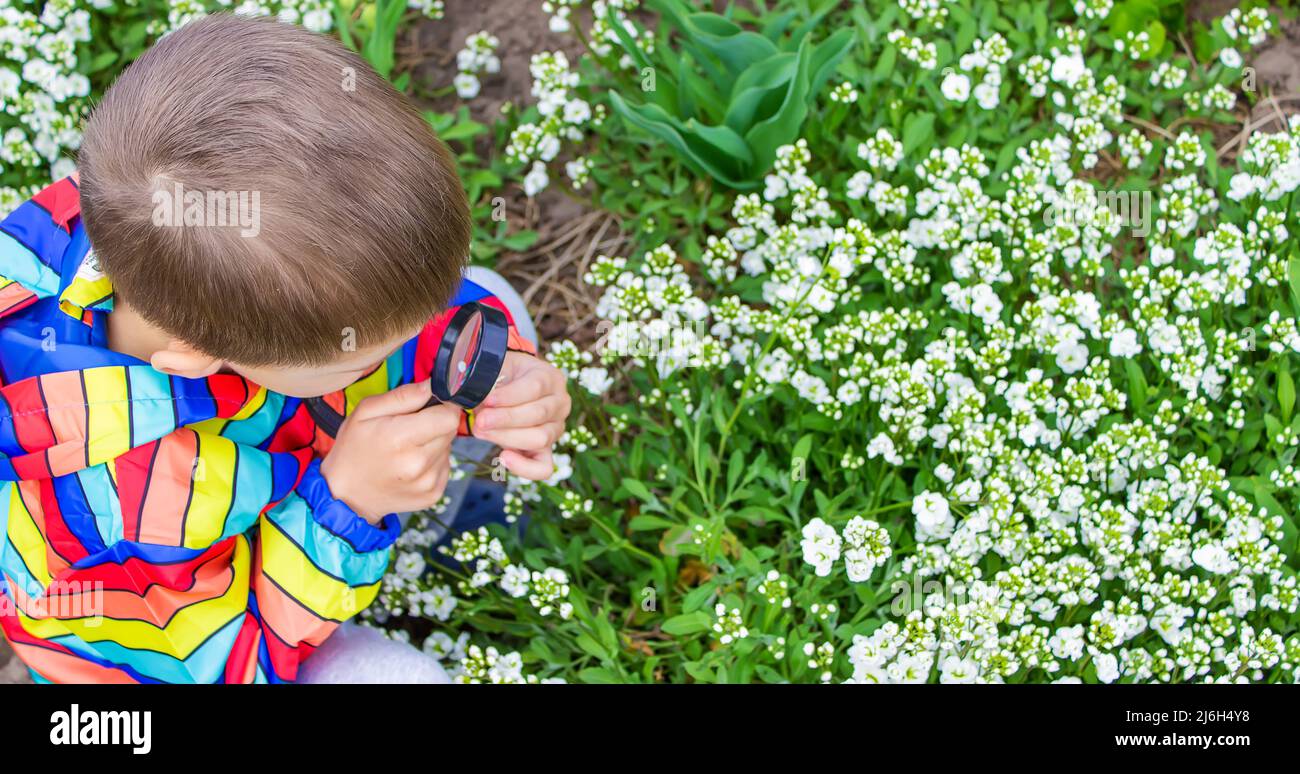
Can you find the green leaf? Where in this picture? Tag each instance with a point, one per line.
(687, 623)
(885, 65)
(638, 489)
(1293, 277)
(756, 87)
(520, 241)
(599, 676)
(705, 158)
(1285, 393)
(917, 128)
(590, 646)
(102, 61)
(735, 47)
(1266, 500)
(697, 597)
(1137, 383)
(645, 523)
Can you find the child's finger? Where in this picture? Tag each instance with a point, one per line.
(533, 438)
(534, 466)
(432, 423)
(527, 388)
(539, 412)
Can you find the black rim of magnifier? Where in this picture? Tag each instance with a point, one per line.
(484, 362)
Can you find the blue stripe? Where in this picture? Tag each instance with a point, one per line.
(108, 510)
(151, 404)
(33, 227)
(467, 292)
(77, 512)
(121, 551)
(21, 265)
(85, 651)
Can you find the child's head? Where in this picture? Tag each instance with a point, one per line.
(262, 197)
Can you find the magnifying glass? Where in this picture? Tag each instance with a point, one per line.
(470, 355)
(465, 368)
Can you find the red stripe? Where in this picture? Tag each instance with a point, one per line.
(58, 536)
(426, 346)
(136, 575)
(15, 297)
(285, 659)
(31, 422)
(296, 432)
(132, 486)
(62, 201)
(231, 392)
(242, 661)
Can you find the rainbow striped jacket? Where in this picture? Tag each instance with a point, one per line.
(156, 528)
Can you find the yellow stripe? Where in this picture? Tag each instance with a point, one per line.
(252, 406)
(27, 538)
(373, 384)
(291, 569)
(214, 486)
(188, 629)
(110, 413)
(82, 292)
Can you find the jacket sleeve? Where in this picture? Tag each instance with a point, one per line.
(316, 564)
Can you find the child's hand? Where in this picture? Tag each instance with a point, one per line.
(524, 415)
(392, 455)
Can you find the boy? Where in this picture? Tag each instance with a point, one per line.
(259, 219)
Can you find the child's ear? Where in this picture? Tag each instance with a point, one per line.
(180, 359)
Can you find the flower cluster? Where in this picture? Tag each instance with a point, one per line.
(46, 51)
(563, 115)
(478, 56)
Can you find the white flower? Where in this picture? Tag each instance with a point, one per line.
(1107, 667)
(409, 564)
(1241, 185)
(821, 546)
(515, 580)
(955, 87)
(1071, 356)
(1230, 58)
(1214, 558)
(1068, 69)
(595, 380)
(467, 85)
(933, 518)
(318, 20)
(1068, 643)
(536, 180)
(1125, 344)
(958, 670)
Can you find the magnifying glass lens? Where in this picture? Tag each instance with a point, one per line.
(463, 354)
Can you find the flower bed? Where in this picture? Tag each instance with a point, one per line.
(986, 374)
